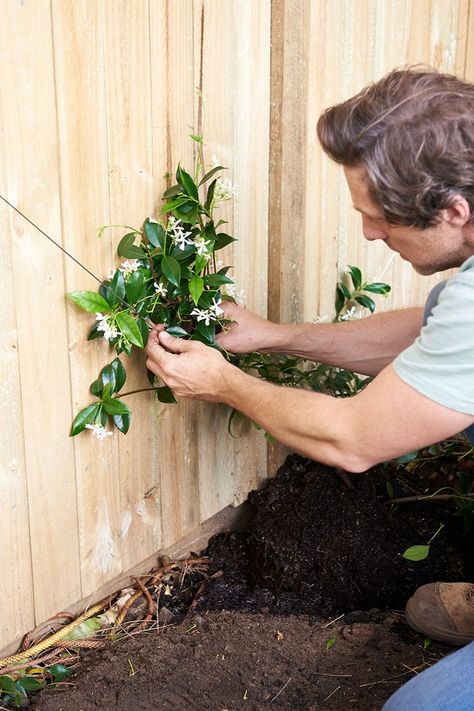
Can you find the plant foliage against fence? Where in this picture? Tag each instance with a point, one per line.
(98, 99)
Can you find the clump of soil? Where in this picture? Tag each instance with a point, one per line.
(323, 542)
(319, 543)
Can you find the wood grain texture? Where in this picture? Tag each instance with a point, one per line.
(98, 99)
(46, 472)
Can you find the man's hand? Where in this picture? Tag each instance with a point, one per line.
(249, 332)
(189, 368)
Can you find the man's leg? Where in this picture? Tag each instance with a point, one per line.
(446, 686)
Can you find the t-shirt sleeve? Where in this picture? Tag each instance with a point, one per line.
(440, 363)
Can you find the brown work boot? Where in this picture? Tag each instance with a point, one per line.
(443, 611)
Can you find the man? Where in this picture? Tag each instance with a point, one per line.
(406, 144)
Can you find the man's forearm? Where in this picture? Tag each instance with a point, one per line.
(365, 345)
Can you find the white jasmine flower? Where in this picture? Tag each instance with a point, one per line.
(201, 246)
(106, 327)
(155, 222)
(99, 431)
(350, 314)
(224, 189)
(160, 289)
(128, 268)
(179, 236)
(205, 315)
(215, 308)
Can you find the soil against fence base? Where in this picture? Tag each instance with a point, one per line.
(319, 543)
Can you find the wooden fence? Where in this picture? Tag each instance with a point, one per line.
(98, 98)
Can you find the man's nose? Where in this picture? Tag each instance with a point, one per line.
(372, 231)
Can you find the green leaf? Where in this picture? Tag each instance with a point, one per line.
(7, 685)
(96, 388)
(172, 192)
(377, 288)
(222, 240)
(144, 330)
(177, 332)
(196, 287)
(340, 299)
(135, 286)
(171, 269)
(88, 628)
(114, 293)
(188, 213)
(173, 204)
(366, 302)
(84, 417)
(122, 422)
(120, 373)
(416, 553)
(155, 234)
(108, 377)
(31, 683)
(406, 458)
(165, 394)
(356, 276)
(216, 280)
(330, 642)
(126, 247)
(211, 173)
(129, 328)
(90, 301)
(189, 186)
(115, 407)
(59, 672)
(207, 332)
(210, 195)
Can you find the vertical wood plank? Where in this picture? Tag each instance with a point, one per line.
(81, 100)
(29, 120)
(132, 185)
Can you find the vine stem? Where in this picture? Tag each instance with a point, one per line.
(438, 497)
(140, 390)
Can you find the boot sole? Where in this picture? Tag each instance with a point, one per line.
(436, 633)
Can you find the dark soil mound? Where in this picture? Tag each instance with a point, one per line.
(324, 542)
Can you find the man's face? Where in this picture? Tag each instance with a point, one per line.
(434, 249)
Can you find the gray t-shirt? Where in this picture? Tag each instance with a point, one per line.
(440, 363)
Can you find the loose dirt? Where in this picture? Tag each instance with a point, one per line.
(319, 545)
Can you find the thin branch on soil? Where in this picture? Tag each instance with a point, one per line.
(394, 679)
(334, 675)
(437, 497)
(331, 694)
(282, 689)
(332, 621)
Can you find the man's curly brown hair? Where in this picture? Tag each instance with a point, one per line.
(413, 131)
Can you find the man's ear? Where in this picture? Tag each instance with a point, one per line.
(459, 214)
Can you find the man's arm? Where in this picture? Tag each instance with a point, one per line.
(386, 419)
(364, 346)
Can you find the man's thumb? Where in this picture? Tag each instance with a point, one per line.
(174, 345)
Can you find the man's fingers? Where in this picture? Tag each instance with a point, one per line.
(174, 345)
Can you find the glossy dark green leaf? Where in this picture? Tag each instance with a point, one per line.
(366, 302)
(377, 288)
(31, 683)
(120, 373)
(210, 195)
(144, 330)
(96, 388)
(115, 291)
(177, 332)
(188, 184)
(108, 377)
(122, 422)
(207, 332)
(165, 394)
(126, 248)
(356, 276)
(211, 173)
(135, 286)
(84, 417)
(172, 192)
(173, 204)
(340, 299)
(155, 233)
(59, 672)
(115, 407)
(171, 269)
(216, 280)
(129, 329)
(196, 287)
(188, 213)
(222, 240)
(90, 301)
